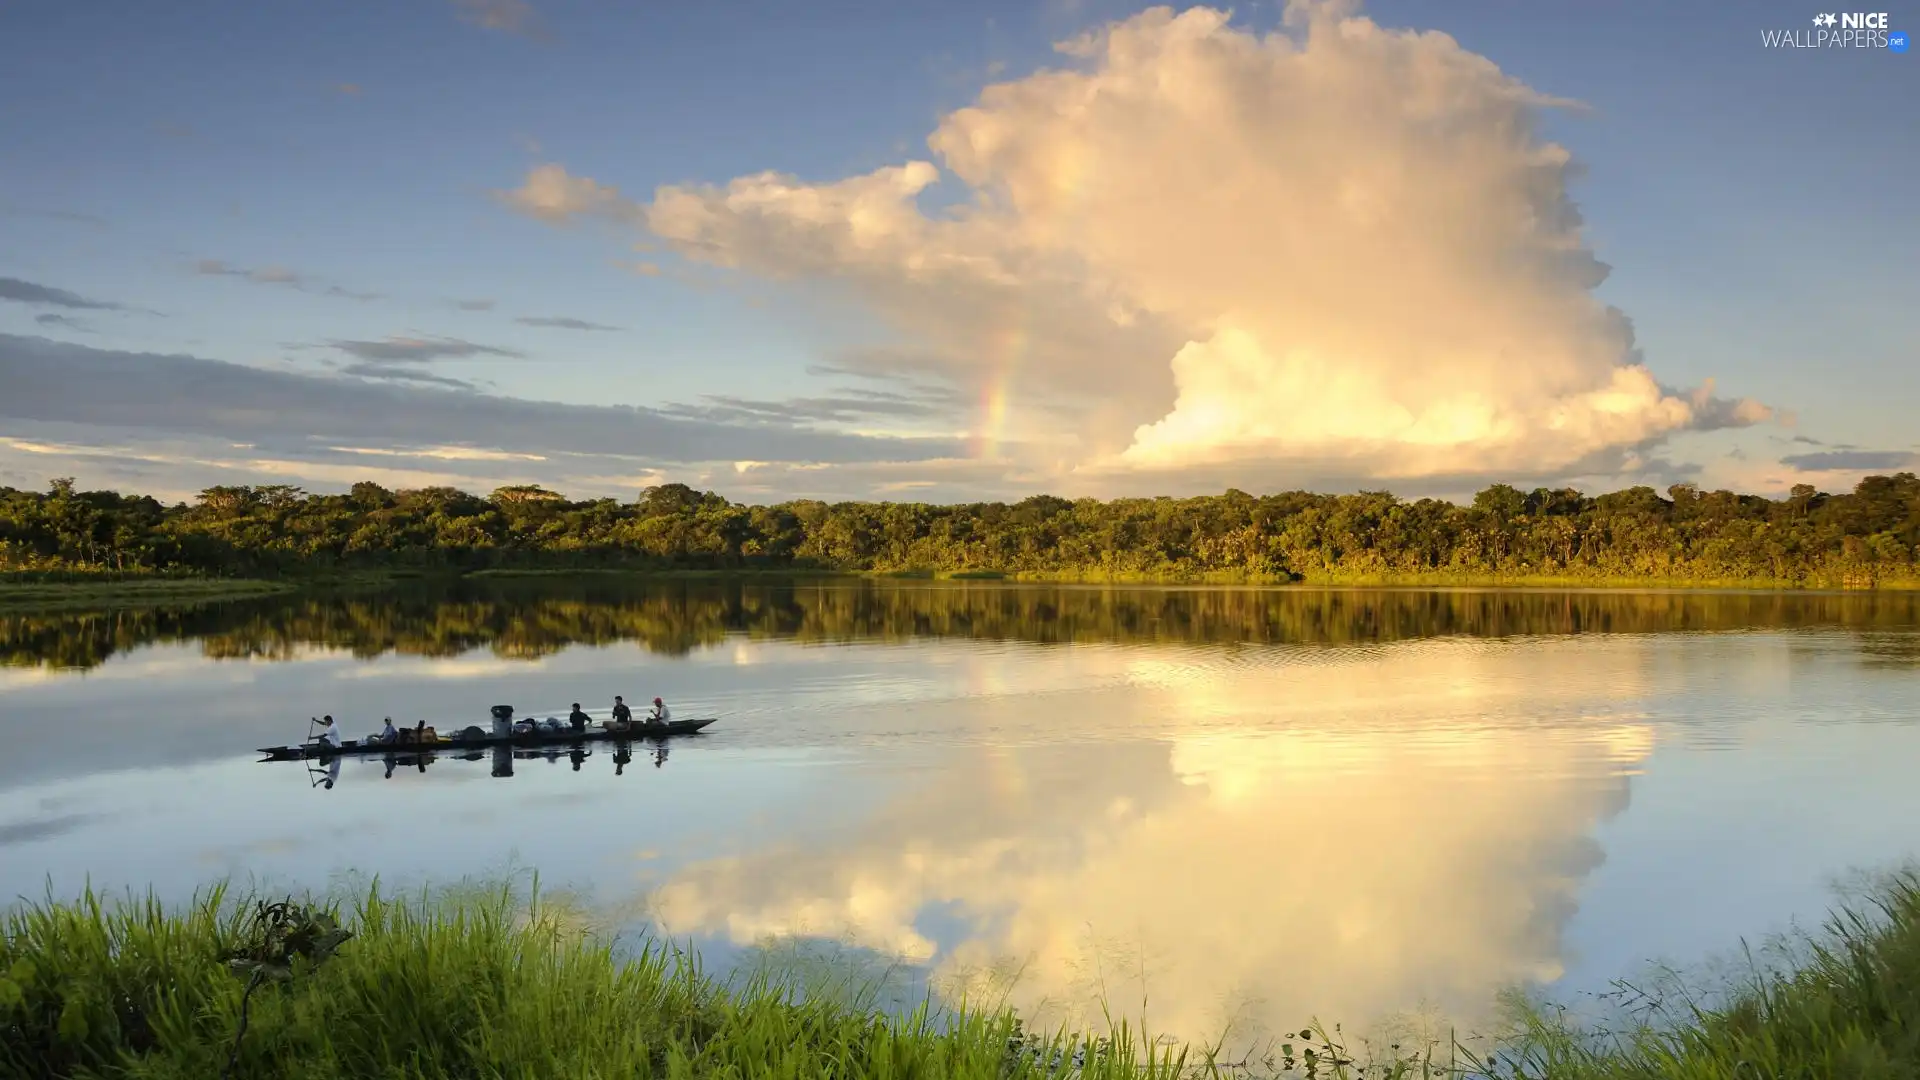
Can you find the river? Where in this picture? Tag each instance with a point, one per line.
(1263, 806)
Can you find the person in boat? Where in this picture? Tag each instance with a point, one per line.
(329, 732)
(622, 716)
(389, 733)
(578, 718)
(659, 715)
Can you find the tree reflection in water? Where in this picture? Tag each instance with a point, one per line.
(533, 618)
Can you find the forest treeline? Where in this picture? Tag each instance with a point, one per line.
(1861, 539)
(534, 617)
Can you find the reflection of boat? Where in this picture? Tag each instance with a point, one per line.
(473, 738)
(419, 759)
(327, 772)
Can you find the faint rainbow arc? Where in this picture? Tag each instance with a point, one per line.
(1010, 345)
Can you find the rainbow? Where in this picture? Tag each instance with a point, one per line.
(1061, 204)
(1006, 348)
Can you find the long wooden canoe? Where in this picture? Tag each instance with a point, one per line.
(636, 732)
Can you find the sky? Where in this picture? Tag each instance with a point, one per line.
(939, 252)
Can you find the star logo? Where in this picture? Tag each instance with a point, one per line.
(1824, 20)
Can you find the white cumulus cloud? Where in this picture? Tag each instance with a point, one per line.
(1336, 247)
(554, 196)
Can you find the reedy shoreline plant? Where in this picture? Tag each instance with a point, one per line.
(496, 985)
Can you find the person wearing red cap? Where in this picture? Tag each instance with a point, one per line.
(659, 714)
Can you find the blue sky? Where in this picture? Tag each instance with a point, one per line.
(292, 189)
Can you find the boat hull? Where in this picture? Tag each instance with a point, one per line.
(640, 732)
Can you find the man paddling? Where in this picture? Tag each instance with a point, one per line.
(329, 732)
(578, 718)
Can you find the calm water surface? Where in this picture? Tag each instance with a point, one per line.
(1259, 805)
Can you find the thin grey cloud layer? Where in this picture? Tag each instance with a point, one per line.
(64, 382)
(1847, 460)
(28, 292)
(65, 321)
(398, 373)
(278, 275)
(562, 323)
(399, 359)
(850, 406)
(505, 16)
(72, 217)
(409, 350)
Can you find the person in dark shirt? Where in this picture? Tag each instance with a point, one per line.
(622, 715)
(577, 718)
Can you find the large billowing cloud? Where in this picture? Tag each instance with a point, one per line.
(1342, 249)
(1271, 840)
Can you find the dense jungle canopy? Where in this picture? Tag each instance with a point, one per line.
(1863, 538)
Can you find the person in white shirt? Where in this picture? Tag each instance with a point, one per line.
(659, 714)
(329, 732)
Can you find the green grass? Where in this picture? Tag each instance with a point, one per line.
(487, 985)
(508, 573)
(41, 595)
(84, 589)
(472, 986)
(1346, 579)
(751, 572)
(1444, 579)
(1849, 1008)
(101, 591)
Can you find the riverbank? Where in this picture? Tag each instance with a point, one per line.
(129, 591)
(113, 592)
(478, 986)
(1231, 578)
(482, 985)
(98, 592)
(1850, 1008)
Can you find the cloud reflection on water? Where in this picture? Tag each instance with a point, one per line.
(1284, 802)
(1323, 868)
